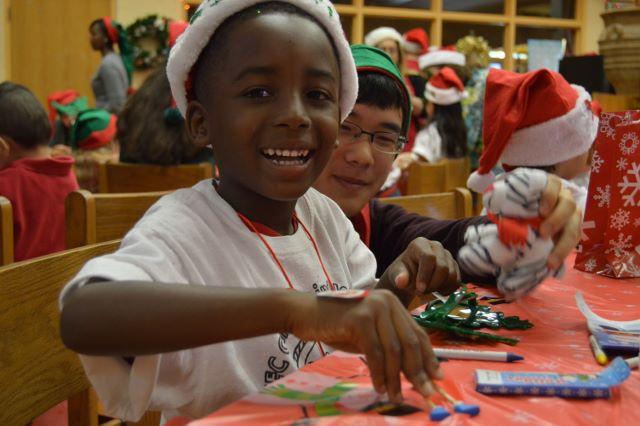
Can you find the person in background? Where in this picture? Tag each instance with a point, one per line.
(370, 138)
(537, 120)
(415, 42)
(112, 80)
(446, 134)
(438, 57)
(152, 131)
(476, 52)
(35, 183)
(64, 107)
(93, 142)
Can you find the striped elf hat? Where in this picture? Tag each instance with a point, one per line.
(93, 129)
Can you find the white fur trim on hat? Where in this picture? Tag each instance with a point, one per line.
(555, 140)
(382, 33)
(411, 47)
(212, 13)
(441, 57)
(443, 96)
(479, 183)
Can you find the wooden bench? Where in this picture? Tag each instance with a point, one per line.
(6, 232)
(123, 177)
(456, 204)
(94, 218)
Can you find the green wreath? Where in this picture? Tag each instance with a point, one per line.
(150, 27)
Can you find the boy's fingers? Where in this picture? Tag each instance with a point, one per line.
(550, 195)
(392, 356)
(429, 359)
(569, 238)
(560, 216)
(401, 280)
(440, 270)
(412, 363)
(372, 349)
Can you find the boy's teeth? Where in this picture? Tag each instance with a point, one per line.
(271, 151)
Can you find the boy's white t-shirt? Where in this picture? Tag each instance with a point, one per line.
(193, 236)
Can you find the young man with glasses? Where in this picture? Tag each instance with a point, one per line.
(369, 141)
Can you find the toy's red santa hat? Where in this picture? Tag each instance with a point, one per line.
(447, 55)
(175, 29)
(533, 119)
(444, 88)
(382, 33)
(416, 41)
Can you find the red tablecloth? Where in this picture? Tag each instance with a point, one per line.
(558, 342)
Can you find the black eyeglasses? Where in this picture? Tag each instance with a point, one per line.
(386, 142)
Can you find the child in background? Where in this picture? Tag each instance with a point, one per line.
(536, 120)
(437, 57)
(92, 142)
(446, 134)
(202, 284)
(35, 183)
(64, 107)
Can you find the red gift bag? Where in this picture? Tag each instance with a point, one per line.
(610, 243)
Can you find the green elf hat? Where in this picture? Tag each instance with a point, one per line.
(117, 35)
(72, 109)
(65, 102)
(212, 13)
(370, 59)
(93, 129)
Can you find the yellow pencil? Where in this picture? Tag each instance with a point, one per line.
(598, 353)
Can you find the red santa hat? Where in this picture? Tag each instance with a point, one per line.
(382, 33)
(533, 119)
(444, 88)
(175, 29)
(416, 41)
(447, 55)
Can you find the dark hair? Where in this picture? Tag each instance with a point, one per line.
(209, 57)
(381, 91)
(452, 130)
(103, 28)
(24, 119)
(144, 134)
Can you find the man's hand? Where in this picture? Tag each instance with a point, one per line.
(562, 220)
(377, 326)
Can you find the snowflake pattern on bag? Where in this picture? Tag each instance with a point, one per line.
(610, 242)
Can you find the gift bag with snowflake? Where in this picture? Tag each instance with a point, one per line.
(610, 243)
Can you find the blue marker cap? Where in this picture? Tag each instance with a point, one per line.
(513, 357)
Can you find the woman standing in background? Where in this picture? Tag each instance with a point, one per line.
(111, 81)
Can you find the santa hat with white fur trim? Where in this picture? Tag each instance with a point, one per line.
(533, 119)
(447, 55)
(212, 13)
(444, 88)
(382, 33)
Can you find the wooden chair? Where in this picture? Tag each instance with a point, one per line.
(6, 232)
(426, 178)
(122, 177)
(457, 172)
(94, 218)
(37, 371)
(455, 204)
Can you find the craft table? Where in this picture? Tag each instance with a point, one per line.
(558, 342)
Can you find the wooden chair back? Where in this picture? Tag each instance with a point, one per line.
(6, 232)
(457, 172)
(456, 204)
(95, 218)
(38, 371)
(426, 178)
(122, 177)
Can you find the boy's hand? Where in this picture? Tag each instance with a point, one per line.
(424, 267)
(377, 326)
(562, 220)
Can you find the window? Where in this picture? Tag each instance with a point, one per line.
(412, 4)
(547, 8)
(474, 6)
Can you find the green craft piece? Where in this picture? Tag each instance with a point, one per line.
(324, 402)
(462, 315)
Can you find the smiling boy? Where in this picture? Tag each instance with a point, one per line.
(363, 159)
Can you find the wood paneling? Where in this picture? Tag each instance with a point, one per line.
(50, 47)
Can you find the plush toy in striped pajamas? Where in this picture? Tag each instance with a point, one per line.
(510, 248)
